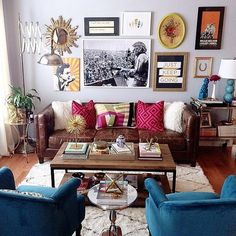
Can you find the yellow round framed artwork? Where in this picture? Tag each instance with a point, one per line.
(171, 30)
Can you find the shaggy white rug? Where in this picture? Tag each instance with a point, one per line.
(131, 220)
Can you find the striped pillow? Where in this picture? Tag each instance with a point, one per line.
(120, 113)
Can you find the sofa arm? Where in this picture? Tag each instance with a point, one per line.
(190, 126)
(155, 191)
(44, 122)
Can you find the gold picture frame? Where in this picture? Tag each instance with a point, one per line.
(170, 71)
(62, 34)
(171, 30)
(202, 67)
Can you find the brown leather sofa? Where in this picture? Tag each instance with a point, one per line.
(183, 146)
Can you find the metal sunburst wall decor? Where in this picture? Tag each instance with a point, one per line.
(62, 34)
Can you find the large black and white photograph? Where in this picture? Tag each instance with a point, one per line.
(116, 63)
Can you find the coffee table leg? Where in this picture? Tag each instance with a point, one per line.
(174, 181)
(113, 230)
(52, 178)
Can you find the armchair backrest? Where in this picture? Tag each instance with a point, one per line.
(205, 214)
(53, 211)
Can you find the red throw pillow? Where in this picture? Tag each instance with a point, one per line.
(87, 111)
(150, 116)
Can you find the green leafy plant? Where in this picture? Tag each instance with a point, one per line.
(21, 100)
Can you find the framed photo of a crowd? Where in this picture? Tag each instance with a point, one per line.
(116, 63)
(170, 71)
(209, 27)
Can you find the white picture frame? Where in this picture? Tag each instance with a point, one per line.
(136, 23)
(105, 62)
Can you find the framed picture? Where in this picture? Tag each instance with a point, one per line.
(209, 27)
(170, 71)
(123, 63)
(171, 30)
(136, 23)
(205, 120)
(101, 26)
(67, 76)
(202, 67)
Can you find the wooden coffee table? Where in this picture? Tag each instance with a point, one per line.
(167, 165)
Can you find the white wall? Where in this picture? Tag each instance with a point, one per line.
(40, 77)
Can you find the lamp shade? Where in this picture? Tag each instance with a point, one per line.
(227, 69)
(50, 59)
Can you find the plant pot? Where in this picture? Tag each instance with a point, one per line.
(16, 115)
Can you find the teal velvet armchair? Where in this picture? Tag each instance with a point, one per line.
(191, 213)
(39, 211)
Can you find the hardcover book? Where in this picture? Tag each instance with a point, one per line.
(105, 198)
(125, 149)
(152, 153)
(71, 156)
(76, 148)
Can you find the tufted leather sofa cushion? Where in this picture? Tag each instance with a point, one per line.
(110, 134)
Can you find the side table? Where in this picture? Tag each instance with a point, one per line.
(113, 230)
(23, 146)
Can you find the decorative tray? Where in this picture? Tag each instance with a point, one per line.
(110, 155)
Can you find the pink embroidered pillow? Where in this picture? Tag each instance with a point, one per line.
(150, 116)
(87, 111)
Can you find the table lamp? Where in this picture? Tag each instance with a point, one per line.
(228, 71)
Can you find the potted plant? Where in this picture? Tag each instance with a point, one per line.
(20, 104)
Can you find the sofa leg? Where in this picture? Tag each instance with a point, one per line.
(41, 159)
(193, 164)
(78, 231)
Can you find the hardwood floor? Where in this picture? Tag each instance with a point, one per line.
(216, 163)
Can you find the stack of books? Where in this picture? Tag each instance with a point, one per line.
(121, 150)
(112, 198)
(152, 153)
(76, 151)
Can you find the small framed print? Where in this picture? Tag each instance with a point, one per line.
(205, 120)
(170, 71)
(209, 27)
(202, 67)
(101, 26)
(136, 23)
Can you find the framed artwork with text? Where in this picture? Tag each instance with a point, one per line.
(170, 71)
(101, 26)
(209, 27)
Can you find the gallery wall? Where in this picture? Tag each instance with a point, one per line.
(41, 77)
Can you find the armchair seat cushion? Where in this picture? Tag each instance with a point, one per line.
(45, 191)
(191, 196)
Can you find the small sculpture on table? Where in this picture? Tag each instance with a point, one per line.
(113, 186)
(120, 141)
(203, 93)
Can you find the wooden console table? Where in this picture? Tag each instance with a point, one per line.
(167, 165)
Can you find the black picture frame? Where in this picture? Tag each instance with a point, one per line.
(101, 26)
(205, 120)
(170, 71)
(209, 28)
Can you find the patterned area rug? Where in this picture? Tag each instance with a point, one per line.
(131, 220)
